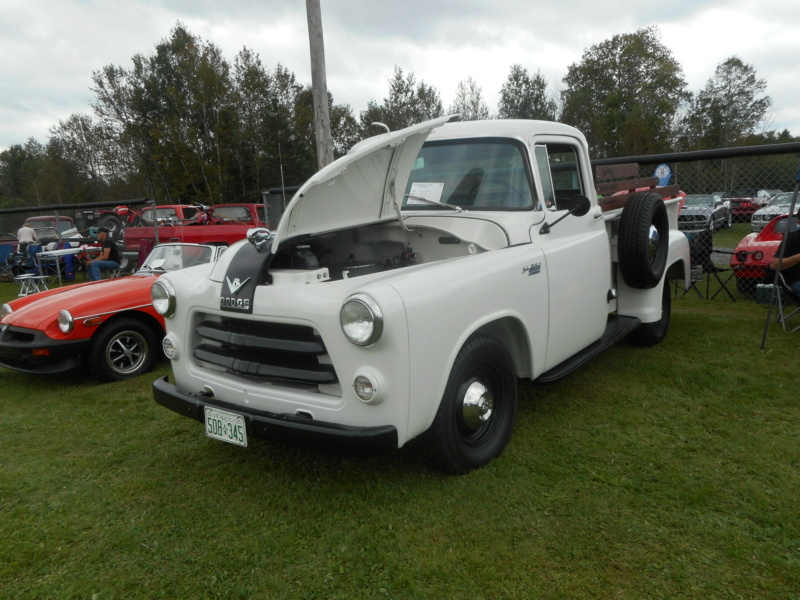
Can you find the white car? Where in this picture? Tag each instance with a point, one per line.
(778, 205)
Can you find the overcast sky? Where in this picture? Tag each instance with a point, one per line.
(50, 48)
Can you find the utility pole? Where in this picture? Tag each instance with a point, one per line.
(319, 85)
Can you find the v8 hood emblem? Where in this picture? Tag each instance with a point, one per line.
(235, 285)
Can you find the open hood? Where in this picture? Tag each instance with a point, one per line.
(365, 186)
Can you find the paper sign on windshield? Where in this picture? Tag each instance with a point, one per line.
(428, 191)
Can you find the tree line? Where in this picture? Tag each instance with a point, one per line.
(183, 124)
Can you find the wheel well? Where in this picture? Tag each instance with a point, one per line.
(147, 320)
(676, 270)
(511, 333)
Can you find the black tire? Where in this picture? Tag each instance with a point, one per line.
(650, 334)
(643, 240)
(110, 222)
(463, 438)
(122, 349)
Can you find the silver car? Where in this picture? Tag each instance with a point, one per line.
(778, 205)
(704, 211)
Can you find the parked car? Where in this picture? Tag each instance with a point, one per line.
(703, 211)
(47, 235)
(779, 205)
(744, 203)
(107, 326)
(64, 225)
(754, 253)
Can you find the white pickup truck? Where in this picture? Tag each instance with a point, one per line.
(411, 283)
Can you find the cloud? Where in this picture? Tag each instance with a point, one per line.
(50, 48)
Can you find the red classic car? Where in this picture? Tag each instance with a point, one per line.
(107, 326)
(754, 253)
(744, 203)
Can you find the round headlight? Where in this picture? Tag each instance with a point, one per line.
(163, 296)
(361, 320)
(6, 310)
(65, 322)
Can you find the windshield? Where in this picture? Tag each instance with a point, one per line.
(173, 257)
(781, 200)
(487, 175)
(699, 200)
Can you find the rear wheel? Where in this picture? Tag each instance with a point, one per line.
(121, 349)
(476, 415)
(110, 222)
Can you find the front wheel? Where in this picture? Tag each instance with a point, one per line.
(122, 349)
(476, 415)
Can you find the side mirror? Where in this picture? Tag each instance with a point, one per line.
(578, 206)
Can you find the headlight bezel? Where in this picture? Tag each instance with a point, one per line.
(363, 331)
(66, 323)
(164, 305)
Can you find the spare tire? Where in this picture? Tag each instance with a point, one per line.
(643, 240)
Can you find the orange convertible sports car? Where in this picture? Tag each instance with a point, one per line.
(107, 326)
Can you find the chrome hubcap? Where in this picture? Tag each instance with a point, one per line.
(477, 405)
(653, 243)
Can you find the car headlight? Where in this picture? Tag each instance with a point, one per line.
(163, 296)
(361, 320)
(6, 310)
(65, 322)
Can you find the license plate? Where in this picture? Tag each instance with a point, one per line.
(225, 426)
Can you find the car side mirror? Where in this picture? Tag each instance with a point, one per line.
(577, 206)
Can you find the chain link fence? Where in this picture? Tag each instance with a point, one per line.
(746, 180)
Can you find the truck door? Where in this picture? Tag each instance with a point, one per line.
(576, 251)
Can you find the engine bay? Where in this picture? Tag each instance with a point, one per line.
(370, 249)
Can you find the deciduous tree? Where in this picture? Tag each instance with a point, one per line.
(469, 102)
(624, 94)
(525, 97)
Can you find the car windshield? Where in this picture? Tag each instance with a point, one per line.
(488, 175)
(780, 226)
(740, 194)
(781, 200)
(699, 200)
(173, 257)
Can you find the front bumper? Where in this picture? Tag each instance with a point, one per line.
(282, 427)
(31, 351)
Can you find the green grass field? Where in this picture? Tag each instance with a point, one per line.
(668, 472)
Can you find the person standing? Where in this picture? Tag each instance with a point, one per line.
(108, 259)
(25, 237)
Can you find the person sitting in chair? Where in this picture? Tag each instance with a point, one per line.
(790, 265)
(108, 259)
(25, 236)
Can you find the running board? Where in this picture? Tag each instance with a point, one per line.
(617, 328)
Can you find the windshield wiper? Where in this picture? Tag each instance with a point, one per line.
(433, 202)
